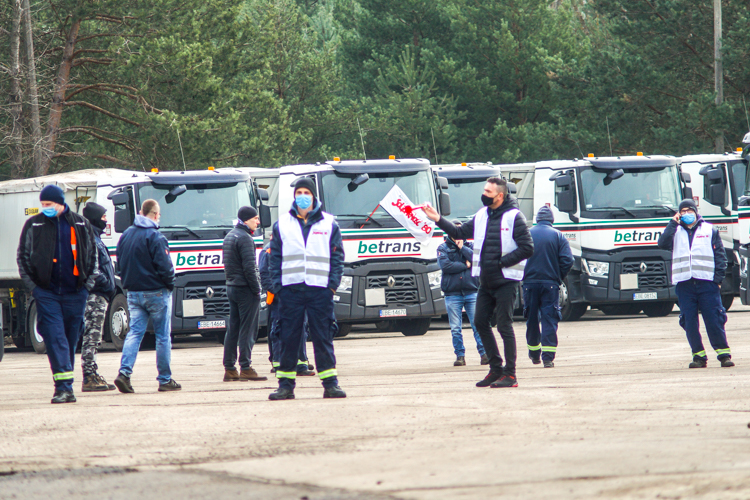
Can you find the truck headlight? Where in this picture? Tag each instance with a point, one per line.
(434, 278)
(346, 284)
(595, 268)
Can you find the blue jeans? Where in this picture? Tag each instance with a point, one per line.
(157, 305)
(541, 303)
(454, 304)
(703, 295)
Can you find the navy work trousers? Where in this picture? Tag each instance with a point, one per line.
(317, 304)
(59, 322)
(703, 295)
(498, 302)
(541, 303)
(274, 342)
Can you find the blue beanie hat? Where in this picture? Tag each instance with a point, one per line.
(52, 193)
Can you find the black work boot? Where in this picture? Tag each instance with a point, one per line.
(333, 392)
(63, 397)
(505, 381)
(281, 394)
(123, 384)
(549, 364)
(491, 377)
(170, 386)
(534, 357)
(727, 363)
(698, 363)
(460, 361)
(303, 371)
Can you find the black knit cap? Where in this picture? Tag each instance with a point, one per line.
(305, 182)
(93, 212)
(246, 213)
(52, 193)
(688, 203)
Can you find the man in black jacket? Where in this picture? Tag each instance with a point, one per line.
(147, 274)
(57, 261)
(97, 303)
(544, 273)
(502, 243)
(243, 291)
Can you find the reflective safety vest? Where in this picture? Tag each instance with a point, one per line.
(305, 263)
(696, 261)
(507, 224)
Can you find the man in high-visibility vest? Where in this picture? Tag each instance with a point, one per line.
(502, 244)
(698, 266)
(306, 264)
(58, 263)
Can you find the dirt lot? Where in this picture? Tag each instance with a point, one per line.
(620, 416)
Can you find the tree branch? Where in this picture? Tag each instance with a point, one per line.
(89, 131)
(74, 154)
(103, 111)
(105, 60)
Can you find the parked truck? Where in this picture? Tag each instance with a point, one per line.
(198, 208)
(380, 253)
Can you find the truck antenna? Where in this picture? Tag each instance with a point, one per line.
(609, 137)
(184, 167)
(746, 117)
(433, 146)
(361, 138)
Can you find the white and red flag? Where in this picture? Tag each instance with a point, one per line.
(408, 215)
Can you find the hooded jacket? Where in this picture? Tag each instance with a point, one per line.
(492, 259)
(105, 281)
(240, 267)
(456, 277)
(45, 257)
(337, 250)
(666, 242)
(143, 257)
(552, 257)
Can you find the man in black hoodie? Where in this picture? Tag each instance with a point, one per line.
(97, 303)
(243, 291)
(502, 244)
(698, 267)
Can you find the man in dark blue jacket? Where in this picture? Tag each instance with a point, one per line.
(307, 261)
(147, 274)
(460, 290)
(545, 271)
(699, 264)
(97, 303)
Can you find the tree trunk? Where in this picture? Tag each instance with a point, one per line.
(14, 96)
(36, 128)
(58, 96)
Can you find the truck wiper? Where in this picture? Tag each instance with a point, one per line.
(363, 222)
(371, 220)
(618, 208)
(185, 228)
(670, 209)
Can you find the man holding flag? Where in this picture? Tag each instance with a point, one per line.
(502, 244)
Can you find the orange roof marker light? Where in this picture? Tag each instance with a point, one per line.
(336, 158)
(392, 157)
(639, 153)
(739, 150)
(154, 170)
(463, 163)
(591, 155)
(211, 168)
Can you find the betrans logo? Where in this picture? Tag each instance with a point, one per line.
(389, 249)
(190, 260)
(636, 237)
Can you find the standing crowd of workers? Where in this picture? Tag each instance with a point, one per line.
(64, 263)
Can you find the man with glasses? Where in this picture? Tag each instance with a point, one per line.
(698, 267)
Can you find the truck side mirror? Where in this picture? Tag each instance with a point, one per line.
(124, 213)
(175, 192)
(442, 182)
(714, 184)
(445, 204)
(264, 212)
(263, 194)
(565, 192)
(358, 181)
(687, 193)
(512, 188)
(685, 177)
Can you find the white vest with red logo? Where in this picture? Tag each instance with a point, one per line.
(305, 263)
(696, 261)
(507, 224)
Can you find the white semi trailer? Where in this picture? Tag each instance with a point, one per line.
(198, 208)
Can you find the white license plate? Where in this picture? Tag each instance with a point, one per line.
(206, 325)
(644, 296)
(391, 313)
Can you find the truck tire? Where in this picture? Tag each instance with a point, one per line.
(414, 327)
(343, 330)
(386, 326)
(620, 309)
(658, 309)
(36, 340)
(570, 311)
(117, 321)
(726, 301)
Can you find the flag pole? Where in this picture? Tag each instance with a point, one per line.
(368, 217)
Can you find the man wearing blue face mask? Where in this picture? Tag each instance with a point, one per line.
(57, 260)
(306, 264)
(698, 266)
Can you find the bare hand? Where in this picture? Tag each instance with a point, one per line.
(460, 243)
(431, 213)
(468, 264)
(676, 217)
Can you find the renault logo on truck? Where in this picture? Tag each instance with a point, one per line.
(391, 281)
(643, 267)
(210, 292)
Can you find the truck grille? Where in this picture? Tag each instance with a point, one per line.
(403, 291)
(653, 267)
(217, 305)
(654, 278)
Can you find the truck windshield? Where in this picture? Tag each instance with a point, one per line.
(638, 189)
(466, 197)
(202, 206)
(353, 207)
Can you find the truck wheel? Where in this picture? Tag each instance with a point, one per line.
(117, 321)
(344, 330)
(726, 301)
(386, 326)
(37, 342)
(620, 309)
(414, 327)
(658, 309)
(570, 311)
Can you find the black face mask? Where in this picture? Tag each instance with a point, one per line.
(487, 201)
(101, 224)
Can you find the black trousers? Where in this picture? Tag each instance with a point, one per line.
(242, 331)
(498, 302)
